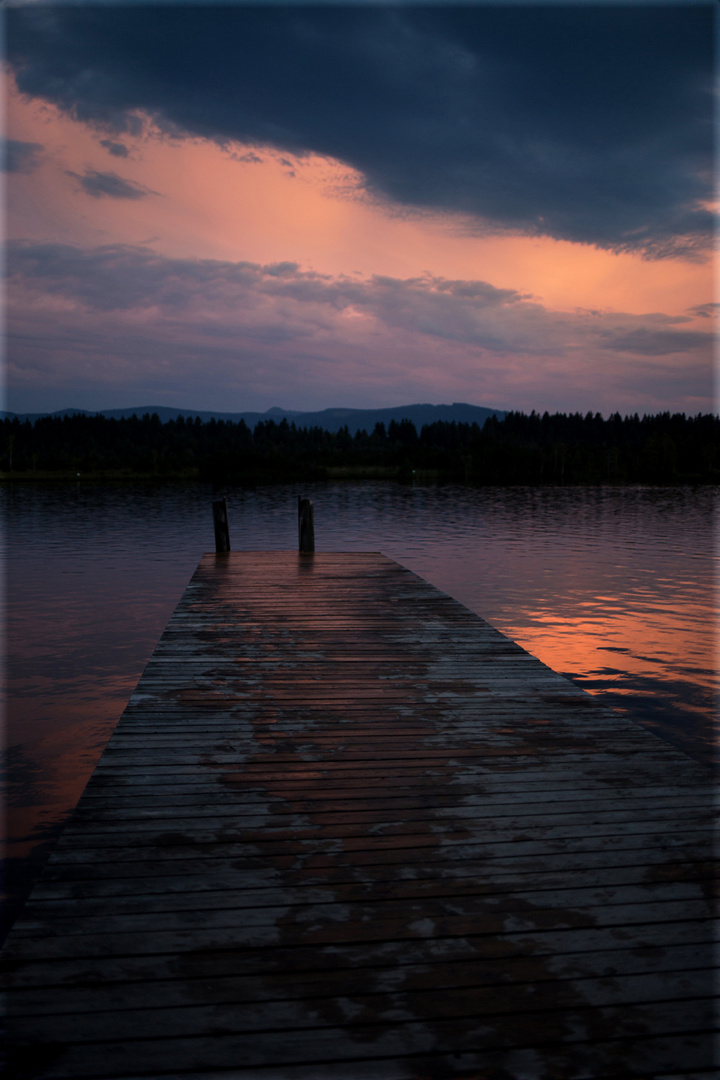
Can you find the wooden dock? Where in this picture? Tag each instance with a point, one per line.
(346, 830)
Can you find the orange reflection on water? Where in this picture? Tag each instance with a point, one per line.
(48, 774)
(624, 656)
(576, 645)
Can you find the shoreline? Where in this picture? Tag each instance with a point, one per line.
(331, 474)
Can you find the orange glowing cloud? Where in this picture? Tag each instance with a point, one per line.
(245, 203)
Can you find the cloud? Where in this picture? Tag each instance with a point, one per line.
(123, 320)
(652, 341)
(590, 124)
(280, 300)
(706, 311)
(20, 157)
(115, 148)
(109, 185)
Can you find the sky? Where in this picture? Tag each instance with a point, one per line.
(238, 207)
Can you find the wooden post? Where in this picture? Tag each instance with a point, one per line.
(306, 528)
(222, 530)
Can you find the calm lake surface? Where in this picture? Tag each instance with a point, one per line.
(613, 587)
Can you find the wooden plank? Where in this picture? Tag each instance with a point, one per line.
(245, 1015)
(74, 915)
(446, 1046)
(642, 974)
(346, 828)
(554, 955)
(188, 885)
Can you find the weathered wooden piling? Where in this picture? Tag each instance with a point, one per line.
(346, 829)
(222, 527)
(306, 526)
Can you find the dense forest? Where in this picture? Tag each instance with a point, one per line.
(519, 449)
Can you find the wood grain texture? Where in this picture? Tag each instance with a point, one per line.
(346, 829)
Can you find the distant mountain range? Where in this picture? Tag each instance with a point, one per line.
(329, 419)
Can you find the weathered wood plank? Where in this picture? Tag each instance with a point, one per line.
(662, 864)
(646, 900)
(390, 1004)
(553, 955)
(75, 916)
(645, 977)
(185, 887)
(452, 1045)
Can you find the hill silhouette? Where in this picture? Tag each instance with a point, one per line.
(332, 419)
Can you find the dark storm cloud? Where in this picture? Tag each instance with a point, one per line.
(117, 149)
(590, 124)
(20, 157)
(109, 185)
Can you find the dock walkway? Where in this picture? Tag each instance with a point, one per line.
(344, 830)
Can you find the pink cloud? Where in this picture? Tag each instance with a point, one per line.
(120, 313)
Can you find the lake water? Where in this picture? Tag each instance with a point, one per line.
(613, 587)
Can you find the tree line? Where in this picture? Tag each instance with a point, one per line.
(517, 449)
